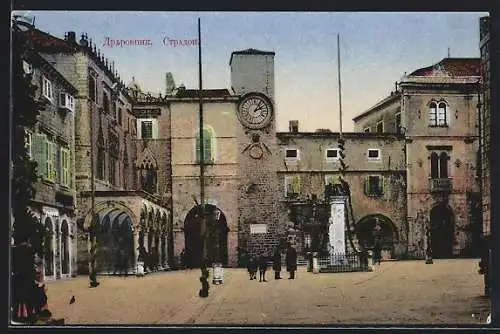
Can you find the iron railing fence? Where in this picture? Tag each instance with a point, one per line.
(340, 262)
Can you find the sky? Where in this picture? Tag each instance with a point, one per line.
(376, 49)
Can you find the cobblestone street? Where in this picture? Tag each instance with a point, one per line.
(405, 292)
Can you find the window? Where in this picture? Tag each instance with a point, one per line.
(380, 126)
(119, 116)
(208, 147)
(65, 167)
(105, 102)
(438, 114)
(101, 171)
(47, 88)
(291, 154)
(28, 143)
(148, 177)
(439, 165)
(67, 101)
(292, 186)
(147, 128)
(92, 88)
(374, 186)
(50, 160)
(398, 123)
(374, 154)
(332, 154)
(366, 130)
(114, 150)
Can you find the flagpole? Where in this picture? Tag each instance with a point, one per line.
(340, 87)
(203, 228)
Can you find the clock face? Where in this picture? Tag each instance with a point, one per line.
(255, 111)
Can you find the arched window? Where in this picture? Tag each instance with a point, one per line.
(105, 102)
(443, 165)
(434, 165)
(208, 146)
(92, 88)
(441, 114)
(438, 114)
(48, 248)
(148, 178)
(433, 114)
(65, 259)
(101, 171)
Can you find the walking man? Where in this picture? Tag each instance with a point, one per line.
(262, 268)
(291, 261)
(277, 263)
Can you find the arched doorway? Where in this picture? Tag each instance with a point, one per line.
(442, 231)
(115, 252)
(216, 236)
(364, 232)
(48, 249)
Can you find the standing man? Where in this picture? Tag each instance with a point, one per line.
(277, 263)
(377, 242)
(291, 261)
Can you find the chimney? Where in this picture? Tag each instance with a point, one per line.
(293, 126)
(71, 37)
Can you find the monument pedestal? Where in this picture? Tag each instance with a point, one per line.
(337, 229)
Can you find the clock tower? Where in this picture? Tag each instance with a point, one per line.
(252, 79)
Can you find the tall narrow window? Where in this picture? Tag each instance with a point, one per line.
(105, 102)
(92, 88)
(292, 186)
(398, 123)
(48, 245)
(208, 147)
(119, 116)
(146, 129)
(148, 177)
(443, 165)
(380, 126)
(50, 160)
(65, 167)
(433, 114)
(100, 158)
(441, 114)
(47, 88)
(113, 158)
(434, 165)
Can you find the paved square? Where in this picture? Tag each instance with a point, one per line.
(403, 292)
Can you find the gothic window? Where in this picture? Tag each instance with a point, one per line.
(439, 165)
(114, 150)
(92, 88)
(101, 171)
(438, 114)
(105, 102)
(208, 146)
(148, 177)
(380, 126)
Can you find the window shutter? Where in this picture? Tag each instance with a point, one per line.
(55, 173)
(48, 159)
(384, 185)
(207, 145)
(39, 153)
(367, 186)
(70, 170)
(296, 184)
(155, 129)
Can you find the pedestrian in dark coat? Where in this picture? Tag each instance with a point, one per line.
(262, 268)
(251, 265)
(377, 243)
(291, 261)
(277, 264)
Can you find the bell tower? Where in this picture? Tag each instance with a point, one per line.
(252, 78)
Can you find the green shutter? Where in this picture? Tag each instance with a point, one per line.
(367, 186)
(70, 169)
(39, 153)
(207, 145)
(296, 184)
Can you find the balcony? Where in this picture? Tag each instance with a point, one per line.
(440, 185)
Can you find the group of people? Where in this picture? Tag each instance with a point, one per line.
(261, 264)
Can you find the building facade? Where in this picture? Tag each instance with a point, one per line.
(51, 144)
(435, 109)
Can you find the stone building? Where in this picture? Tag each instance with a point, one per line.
(485, 123)
(116, 186)
(435, 109)
(309, 161)
(51, 143)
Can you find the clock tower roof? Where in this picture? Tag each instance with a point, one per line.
(250, 51)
